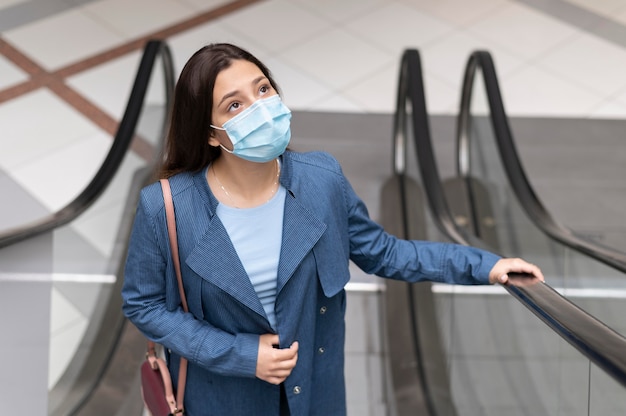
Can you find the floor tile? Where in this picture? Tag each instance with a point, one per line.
(36, 124)
(72, 165)
(441, 96)
(611, 109)
(522, 31)
(108, 85)
(326, 58)
(377, 94)
(10, 74)
(21, 13)
(601, 71)
(9, 3)
(24, 207)
(260, 24)
(620, 16)
(337, 56)
(532, 91)
(457, 12)
(185, 44)
(67, 326)
(395, 27)
(79, 35)
(299, 91)
(448, 56)
(341, 11)
(335, 103)
(140, 17)
(204, 5)
(606, 8)
(99, 225)
(63, 347)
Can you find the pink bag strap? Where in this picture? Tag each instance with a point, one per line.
(171, 230)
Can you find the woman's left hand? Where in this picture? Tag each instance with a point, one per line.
(500, 271)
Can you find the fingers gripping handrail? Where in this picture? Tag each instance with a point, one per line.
(572, 323)
(600, 344)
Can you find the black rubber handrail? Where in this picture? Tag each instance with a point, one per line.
(114, 158)
(96, 378)
(600, 344)
(411, 91)
(410, 84)
(512, 163)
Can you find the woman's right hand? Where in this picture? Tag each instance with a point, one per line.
(273, 364)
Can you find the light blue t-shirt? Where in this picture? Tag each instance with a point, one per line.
(257, 234)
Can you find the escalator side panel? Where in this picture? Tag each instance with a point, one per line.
(418, 370)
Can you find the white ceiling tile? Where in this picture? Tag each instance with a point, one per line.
(522, 31)
(10, 74)
(337, 58)
(600, 68)
(395, 27)
(532, 91)
(62, 39)
(276, 24)
(132, 19)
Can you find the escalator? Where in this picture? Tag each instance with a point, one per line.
(71, 260)
(452, 350)
(554, 348)
(502, 208)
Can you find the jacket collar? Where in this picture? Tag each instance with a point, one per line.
(202, 186)
(301, 231)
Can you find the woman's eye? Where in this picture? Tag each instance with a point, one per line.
(264, 89)
(233, 106)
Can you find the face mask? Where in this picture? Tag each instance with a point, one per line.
(261, 132)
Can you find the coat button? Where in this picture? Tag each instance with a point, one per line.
(323, 310)
(321, 350)
(297, 390)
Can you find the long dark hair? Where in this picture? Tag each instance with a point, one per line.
(186, 147)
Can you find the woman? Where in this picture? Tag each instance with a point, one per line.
(265, 238)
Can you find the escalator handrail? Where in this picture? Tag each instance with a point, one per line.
(93, 377)
(411, 90)
(515, 172)
(106, 172)
(600, 344)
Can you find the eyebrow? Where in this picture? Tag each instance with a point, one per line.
(233, 93)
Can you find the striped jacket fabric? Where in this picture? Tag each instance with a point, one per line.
(325, 226)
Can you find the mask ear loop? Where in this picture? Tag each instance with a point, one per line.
(221, 145)
(228, 151)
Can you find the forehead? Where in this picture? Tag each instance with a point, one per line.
(240, 74)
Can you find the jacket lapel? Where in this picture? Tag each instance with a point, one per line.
(215, 260)
(301, 231)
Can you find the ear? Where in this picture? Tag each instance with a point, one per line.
(213, 141)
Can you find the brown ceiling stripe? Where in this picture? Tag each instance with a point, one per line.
(18, 58)
(25, 64)
(85, 107)
(161, 34)
(18, 90)
(143, 148)
(54, 80)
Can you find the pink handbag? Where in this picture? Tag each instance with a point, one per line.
(156, 383)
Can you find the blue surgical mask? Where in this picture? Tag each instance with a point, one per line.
(261, 132)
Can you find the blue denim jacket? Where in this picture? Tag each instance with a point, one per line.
(325, 226)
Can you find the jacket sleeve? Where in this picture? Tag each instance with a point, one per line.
(149, 280)
(380, 253)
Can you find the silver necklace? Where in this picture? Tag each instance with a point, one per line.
(273, 191)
